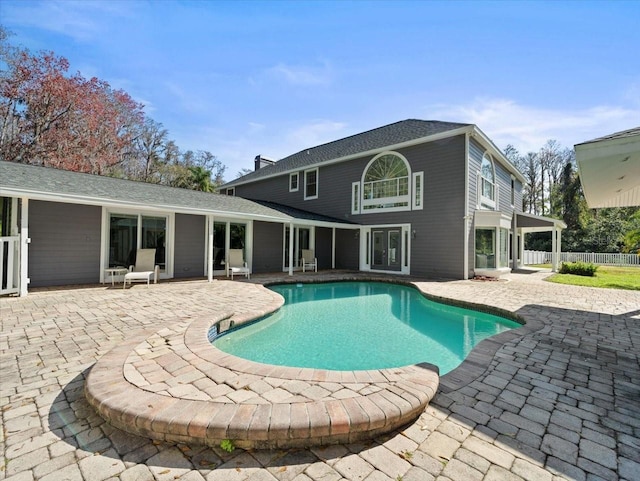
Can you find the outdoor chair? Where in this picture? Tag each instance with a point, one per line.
(309, 260)
(236, 264)
(144, 269)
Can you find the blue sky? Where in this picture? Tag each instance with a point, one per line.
(275, 77)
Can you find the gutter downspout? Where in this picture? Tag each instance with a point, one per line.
(465, 217)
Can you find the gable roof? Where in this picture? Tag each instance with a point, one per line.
(385, 136)
(44, 183)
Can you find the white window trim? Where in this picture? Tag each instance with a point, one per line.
(385, 200)
(297, 177)
(487, 201)
(231, 191)
(311, 197)
(365, 245)
(169, 239)
(513, 191)
(355, 198)
(420, 197)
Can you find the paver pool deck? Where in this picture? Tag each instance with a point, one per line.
(559, 400)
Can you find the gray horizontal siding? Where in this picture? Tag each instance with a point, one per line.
(267, 247)
(189, 246)
(65, 243)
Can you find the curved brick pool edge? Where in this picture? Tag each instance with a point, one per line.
(173, 385)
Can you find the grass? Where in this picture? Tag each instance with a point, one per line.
(606, 276)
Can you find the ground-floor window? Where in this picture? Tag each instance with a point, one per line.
(489, 241)
(130, 232)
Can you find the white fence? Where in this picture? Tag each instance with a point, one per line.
(625, 260)
(9, 276)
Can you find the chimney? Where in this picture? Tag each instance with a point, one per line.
(261, 161)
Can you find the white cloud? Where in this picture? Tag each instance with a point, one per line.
(528, 128)
(76, 19)
(302, 75)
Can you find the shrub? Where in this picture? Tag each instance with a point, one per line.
(579, 268)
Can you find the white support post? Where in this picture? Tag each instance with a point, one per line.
(210, 248)
(291, 247)
(24, 246)
(333, 248)
(559, 249)
(514, 243)
(554, 250)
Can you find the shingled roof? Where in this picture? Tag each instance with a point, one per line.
(60, 185)
(392, 134)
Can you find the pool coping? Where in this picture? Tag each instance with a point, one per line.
(386, 400)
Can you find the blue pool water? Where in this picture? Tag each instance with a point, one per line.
(361, 325)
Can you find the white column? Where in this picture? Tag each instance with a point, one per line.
(514, 242)
(291, 247)
(559, 248)
(554, 250)
(210, 248)
(333, 248)
(24, 246)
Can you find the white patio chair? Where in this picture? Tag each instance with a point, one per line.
(144, 269)
(236, 264)
(309, 260)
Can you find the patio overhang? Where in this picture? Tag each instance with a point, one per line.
(525, 223)
(609, 169)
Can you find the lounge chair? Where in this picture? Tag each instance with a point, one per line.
(236, 264)
(144, 269)
(309, 260)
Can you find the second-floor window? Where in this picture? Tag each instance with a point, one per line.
(385, 184)
(293, 182)
(487, 182)
(311, 184)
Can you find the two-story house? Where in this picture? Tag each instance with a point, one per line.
(430, 198)
(427, 198)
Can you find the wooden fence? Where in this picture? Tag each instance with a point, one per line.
(599, 258)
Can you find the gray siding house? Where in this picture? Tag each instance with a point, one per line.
(426, 198)
(431, 198)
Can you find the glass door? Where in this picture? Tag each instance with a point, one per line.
(227, 235)
(130, 232)
(394, 248)
(219, 241)
(301, 239)
(386, 250)
(379, 256)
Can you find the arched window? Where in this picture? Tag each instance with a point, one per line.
(385, 183)
(487, 181)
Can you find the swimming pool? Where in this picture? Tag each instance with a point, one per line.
(361, 325)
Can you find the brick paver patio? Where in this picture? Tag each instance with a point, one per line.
(561, 401)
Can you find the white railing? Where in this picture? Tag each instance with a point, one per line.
(9, 275)
(599, 258)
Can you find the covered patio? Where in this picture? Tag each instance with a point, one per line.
(525, 223)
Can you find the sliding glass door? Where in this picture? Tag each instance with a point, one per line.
(130, 232)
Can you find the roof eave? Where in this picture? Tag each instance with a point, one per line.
(106, 202)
